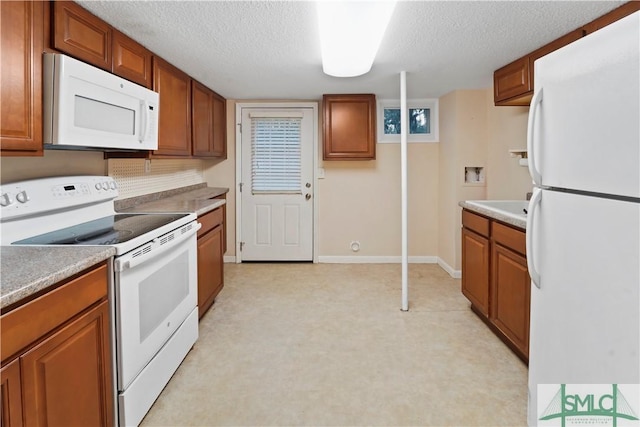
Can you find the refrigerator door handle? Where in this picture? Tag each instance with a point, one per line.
(533, 167)
(533, 207)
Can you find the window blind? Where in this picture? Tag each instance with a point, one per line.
(275, 155)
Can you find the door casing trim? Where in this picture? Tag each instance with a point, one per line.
(238, 197)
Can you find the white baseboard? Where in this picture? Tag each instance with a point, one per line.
(456, 274)
(328, 259)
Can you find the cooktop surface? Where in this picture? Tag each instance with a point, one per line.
(110, 230)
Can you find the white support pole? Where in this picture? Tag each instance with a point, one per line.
(404, 129)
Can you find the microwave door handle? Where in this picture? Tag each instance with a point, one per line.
(144, 120)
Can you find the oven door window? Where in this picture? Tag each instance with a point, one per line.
(153, 298)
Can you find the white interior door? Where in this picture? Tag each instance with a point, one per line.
(277, 184)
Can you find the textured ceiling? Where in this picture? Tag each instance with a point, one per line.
(270, 50)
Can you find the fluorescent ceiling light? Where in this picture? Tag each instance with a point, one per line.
(350, 34)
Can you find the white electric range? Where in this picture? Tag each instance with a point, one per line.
(153, 294)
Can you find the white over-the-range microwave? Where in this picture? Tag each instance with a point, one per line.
(86, 107)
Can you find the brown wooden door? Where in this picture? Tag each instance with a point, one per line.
(131, 60)
(67, 378)
(219, 126)
(208, 122)
(22, 39)
(349, 127)
(510, 289)
(174, 126)
(81, 34)
(512, 80)
(210, 269)
(475, 269)
(201, 120)
(11, 395)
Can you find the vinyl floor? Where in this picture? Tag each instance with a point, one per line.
(327, 345)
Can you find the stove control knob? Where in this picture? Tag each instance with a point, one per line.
(113, 185)
(22, 197)
(5, 199)
(105, 185)
(98, 186)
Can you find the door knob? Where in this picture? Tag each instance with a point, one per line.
(307, 196)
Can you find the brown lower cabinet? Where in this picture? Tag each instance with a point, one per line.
(210, 261)
(56, 357)
(495, 278)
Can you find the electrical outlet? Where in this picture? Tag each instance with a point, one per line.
(147, 166)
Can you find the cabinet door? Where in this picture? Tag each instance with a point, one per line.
(475, 270)
(210, 270)
(201, 120)
(208, 122)
(510, 290)
(81, 34)
(513, 80)
(174, 129)
(11, 395)
(219, 126)
(21, 38)
(131, 60)
(349, 128)
(67, 378)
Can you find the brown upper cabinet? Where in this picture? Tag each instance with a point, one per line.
(349, 127)
(208, 122)
(513, 83)
(174, 127)
(192, 117)
(81, 34)
(131, 60)
(22, 43)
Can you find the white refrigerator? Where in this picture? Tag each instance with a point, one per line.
(583, 226)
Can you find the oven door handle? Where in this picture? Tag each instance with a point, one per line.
(124, 264)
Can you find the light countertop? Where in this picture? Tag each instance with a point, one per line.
(27, 270)
(494, 214)
(199, 201)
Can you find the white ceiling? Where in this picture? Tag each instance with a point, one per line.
(270, 49)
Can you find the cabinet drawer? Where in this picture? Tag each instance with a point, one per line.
(474, 222)
(29, 322)
(509, 237)
(210, 220)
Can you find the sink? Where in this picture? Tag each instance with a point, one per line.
(511, 208)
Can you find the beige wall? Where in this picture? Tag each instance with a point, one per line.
(474, 132)
(53, 163)
(463, 141)
(361, 200)
(357, 200)
(506, 179)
